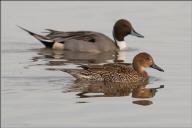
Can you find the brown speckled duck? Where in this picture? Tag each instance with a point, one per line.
(117, 72)
(88, 41)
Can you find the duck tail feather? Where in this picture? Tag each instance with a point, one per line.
(46, 41)
(77, 73)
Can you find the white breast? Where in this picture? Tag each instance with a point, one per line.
(122, 55)
(122, 45)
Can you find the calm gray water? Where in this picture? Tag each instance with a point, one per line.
(35, 97)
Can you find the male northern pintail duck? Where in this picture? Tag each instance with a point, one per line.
(117, 72)
(88, 41)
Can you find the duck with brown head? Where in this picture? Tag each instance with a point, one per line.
(121, 29)
(144, 60)
(88, 41)
(117, 72)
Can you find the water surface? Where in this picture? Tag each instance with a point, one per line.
(35, 97)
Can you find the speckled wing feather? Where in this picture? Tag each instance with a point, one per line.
(108, 73)
(114, 72)
(111, 67)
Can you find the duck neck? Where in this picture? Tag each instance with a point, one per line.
(138, 68)
(122, 45)
(119, 41)
(142, 73)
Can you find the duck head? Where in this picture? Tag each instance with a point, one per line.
(144, 60)
(123, 28)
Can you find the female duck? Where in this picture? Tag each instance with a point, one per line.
(88, 41)
(117, 72)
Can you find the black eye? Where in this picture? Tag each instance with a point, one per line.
(147, 58)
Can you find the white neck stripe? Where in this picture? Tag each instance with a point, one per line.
(122, 45)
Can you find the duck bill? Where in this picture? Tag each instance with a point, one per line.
(134, 33)
(157, 67)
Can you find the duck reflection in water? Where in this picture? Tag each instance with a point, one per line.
(60, 57)
(110, 89)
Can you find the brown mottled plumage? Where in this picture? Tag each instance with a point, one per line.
(108, 72)
(117, 72)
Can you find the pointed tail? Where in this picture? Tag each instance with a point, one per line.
(46, 41)
(77, 73)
